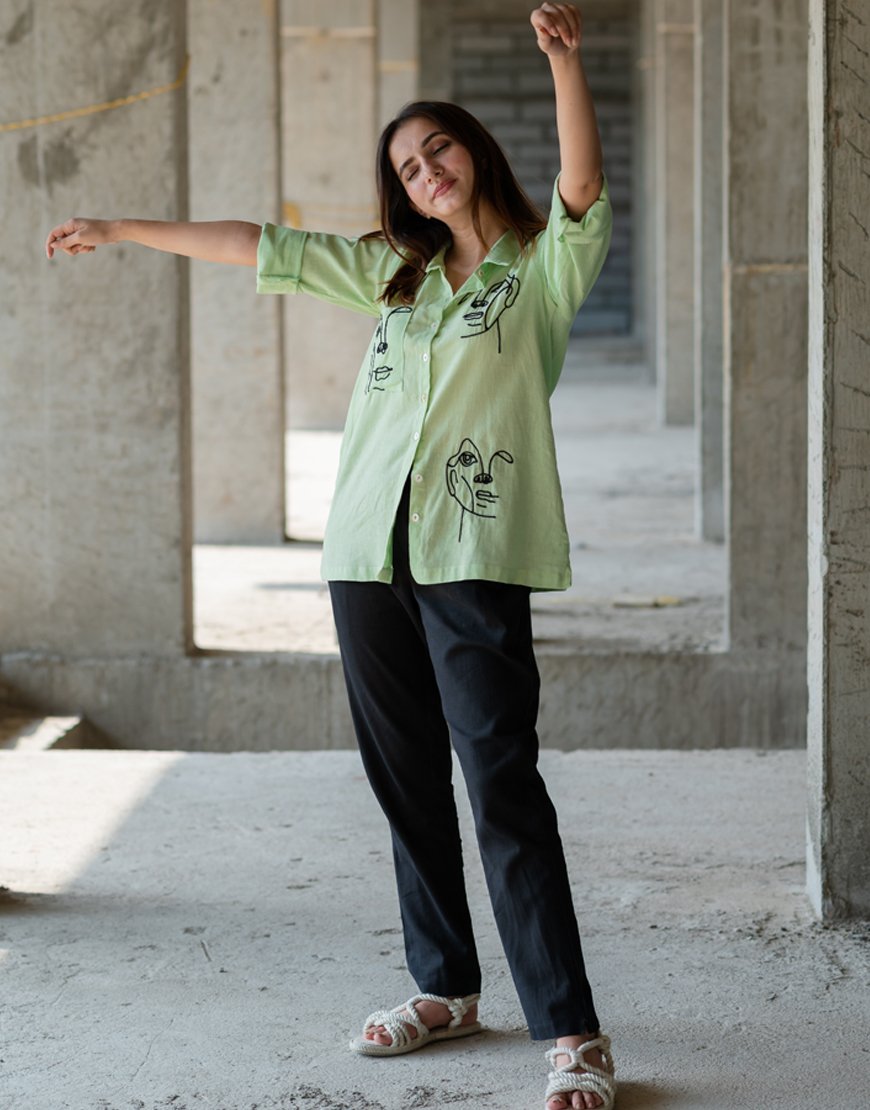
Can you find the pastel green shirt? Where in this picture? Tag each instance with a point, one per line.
(454, 392)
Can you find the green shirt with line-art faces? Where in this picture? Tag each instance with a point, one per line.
(454, 392)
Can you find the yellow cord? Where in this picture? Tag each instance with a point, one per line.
(92, 109)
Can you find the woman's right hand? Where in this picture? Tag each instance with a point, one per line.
(80, 236)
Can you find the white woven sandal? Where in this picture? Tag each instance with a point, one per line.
(598, 1081)
(398, 1026)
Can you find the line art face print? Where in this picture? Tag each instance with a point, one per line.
(471, 484)
(486, 308)
(380, 369)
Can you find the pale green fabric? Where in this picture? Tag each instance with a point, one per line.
(455, 393)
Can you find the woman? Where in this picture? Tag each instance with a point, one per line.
(447, 512)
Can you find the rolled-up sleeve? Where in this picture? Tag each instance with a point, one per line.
(570, 253)
(347, 272)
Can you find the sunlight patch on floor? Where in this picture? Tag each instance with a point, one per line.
(62, 832)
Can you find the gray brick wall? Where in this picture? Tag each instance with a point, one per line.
(494, 69)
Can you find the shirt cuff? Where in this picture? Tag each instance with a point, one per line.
(279, 259)
(595, 222)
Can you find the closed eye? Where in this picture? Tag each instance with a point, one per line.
(413, 172)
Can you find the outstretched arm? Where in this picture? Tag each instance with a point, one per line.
(559, 31)
(233, 241)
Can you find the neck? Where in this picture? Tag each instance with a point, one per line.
(466, 249)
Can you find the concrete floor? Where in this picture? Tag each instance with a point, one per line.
(193, 931)
(642, 581)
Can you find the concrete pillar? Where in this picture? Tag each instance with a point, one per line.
(766, 324)
(329, 121)
(94, 444)
(674, 211)
(238, 421)
(647, 304)
(839, 464)
(398, 56)
(709, 502)
(436, 60)
(641, 286)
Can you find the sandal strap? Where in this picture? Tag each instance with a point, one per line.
(397, 1020)
(577, 1055)
(396, 1026)
(458, 1007)
(564, 1078)
(601, 1084)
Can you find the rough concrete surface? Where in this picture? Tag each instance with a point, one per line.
(205, 932)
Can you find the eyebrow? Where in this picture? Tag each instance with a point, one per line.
(408, 161)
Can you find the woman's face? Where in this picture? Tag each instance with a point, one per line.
(436, 171)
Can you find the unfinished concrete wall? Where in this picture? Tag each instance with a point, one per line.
(398, 47)
(94, 445)
(238, 420)
(709, 372)
(329, 133)
(274, 702)
(674, 210)
(839, 465)
(646, 146)
(766, 327)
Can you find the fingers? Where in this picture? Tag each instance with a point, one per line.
(560, 22)
(67, 237)
(63, 237)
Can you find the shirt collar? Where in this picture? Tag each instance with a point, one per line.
(502, 253)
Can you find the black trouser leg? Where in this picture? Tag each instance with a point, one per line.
(405, 749)
(480, 642)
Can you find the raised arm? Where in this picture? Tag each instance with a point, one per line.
(559, 31)
(233, 241)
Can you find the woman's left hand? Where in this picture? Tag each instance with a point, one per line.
(559, 28)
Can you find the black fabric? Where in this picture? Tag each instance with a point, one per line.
(425, 665)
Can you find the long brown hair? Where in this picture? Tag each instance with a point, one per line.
(416, 239)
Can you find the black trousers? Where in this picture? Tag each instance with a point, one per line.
(424, 664)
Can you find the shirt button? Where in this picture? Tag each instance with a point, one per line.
(418, 477)
(425, 357)
(416, 435)
(434, 327)
(424, 397)
(415, 517)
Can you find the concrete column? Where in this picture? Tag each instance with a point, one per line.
(674, 212)
(766, 324)
(709, 502)
(436, 60)
(647, 146)
(238, 422)
(839, 464)
(398, 56)
(94, 398)
(329, 121)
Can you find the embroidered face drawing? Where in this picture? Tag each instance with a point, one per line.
(471, 484)
(379, 362)
(486, 308)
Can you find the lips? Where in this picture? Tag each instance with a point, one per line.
(443, 187)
